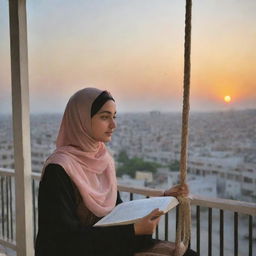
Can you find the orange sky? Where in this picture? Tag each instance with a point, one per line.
(135, 49)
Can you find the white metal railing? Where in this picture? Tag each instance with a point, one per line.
(203, 206)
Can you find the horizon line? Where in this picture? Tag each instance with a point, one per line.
(149, 111)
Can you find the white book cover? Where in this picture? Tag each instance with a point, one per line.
(130, 212)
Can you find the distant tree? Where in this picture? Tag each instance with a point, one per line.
(174, 166)
(130, 166)
(122, 157)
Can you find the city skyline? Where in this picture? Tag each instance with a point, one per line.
(220, 144)
(135, 50)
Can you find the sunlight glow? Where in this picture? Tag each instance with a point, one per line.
(227, 98)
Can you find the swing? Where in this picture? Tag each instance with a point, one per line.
(184, 221)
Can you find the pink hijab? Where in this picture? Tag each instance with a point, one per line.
(87, 161)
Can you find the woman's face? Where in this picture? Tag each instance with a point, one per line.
(103, 122)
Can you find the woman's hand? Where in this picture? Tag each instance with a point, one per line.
(147, 225)
(178, 190)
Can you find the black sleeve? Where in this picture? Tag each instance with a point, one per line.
(60, 232)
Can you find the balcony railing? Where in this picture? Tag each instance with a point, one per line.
(210, 217)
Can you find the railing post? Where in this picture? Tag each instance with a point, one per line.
(21, 127)
(198, 229)
(3, 208)
(250, 235)
(235, 234)
(166, 225)
(221, 232)
(209, 231)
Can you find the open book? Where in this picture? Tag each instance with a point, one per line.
(130, 212)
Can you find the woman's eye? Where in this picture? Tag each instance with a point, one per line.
(107, 117)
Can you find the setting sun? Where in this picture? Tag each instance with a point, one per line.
(227, 99)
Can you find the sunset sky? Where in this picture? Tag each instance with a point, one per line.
(134, 48)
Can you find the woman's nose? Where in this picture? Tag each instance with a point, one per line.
(113, 124)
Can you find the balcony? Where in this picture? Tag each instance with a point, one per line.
(18, 205)
(212, 233)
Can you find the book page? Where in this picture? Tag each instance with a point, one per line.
(129, 212)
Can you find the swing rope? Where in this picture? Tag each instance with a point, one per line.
(184, 218)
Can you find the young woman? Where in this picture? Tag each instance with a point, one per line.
(78, 187)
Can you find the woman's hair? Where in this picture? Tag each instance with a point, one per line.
(100, 101)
